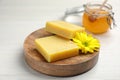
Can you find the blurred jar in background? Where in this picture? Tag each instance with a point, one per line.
(95, 19)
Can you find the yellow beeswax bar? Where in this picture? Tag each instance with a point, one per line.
(64, 29)
(55, 48)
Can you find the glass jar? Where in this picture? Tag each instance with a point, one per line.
(97, 19)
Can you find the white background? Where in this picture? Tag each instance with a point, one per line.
(18, 18)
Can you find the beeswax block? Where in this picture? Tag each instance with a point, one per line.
(64, 29)
(55, 48)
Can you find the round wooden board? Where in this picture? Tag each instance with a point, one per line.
(66, 67)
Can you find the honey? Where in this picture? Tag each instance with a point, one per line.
(96, 21)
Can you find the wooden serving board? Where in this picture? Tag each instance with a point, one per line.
(66, 67)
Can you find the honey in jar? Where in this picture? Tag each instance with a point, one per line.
(97, 20)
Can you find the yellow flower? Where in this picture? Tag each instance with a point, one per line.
(86, 43)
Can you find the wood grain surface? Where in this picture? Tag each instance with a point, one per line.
(66, 67)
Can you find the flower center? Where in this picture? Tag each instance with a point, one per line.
(85, 44)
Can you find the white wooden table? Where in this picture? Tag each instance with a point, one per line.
(18, 18)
